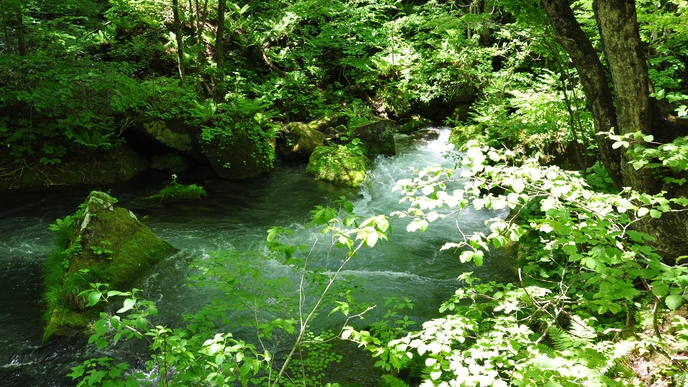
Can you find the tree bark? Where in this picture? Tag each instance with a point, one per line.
(180, 42)
(629, 109)
(6, 31)
(219, 37)
(618, 26)
(593, 78)
(219, 48)
(20, 32)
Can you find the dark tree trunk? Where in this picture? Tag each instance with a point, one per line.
(219, 49)
(629, 109)
(180, 43)
(20, 32)
(6, 31)
(618, 26)
(593, 78)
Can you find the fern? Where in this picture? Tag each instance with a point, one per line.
(391, 381)
(547, 350)
(614, 364)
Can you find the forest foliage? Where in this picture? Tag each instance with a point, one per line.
(595, 302)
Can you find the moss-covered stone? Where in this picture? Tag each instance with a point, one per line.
(108, 167)
(240, 156)
(339, 164)
(105, 244)
(378, 137)
(414, 123)
(298, 140)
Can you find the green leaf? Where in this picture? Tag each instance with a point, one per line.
(466, 256)
(660, 288)
(518, 185)
(93, 298)
(569, 249)
(674, 301)
(128, 305)
(655, 214)
(478, 258)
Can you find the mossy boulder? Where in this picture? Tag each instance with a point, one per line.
(240, 155)
(344, 165)
(170, 134)
(170, 162)
(414, 123)
(424, 135)
(298, 140)
(100, 243)
(331, 121)
(378, 137)
(116, 165)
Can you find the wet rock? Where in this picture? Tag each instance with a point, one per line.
(298, 140)
(239, 156)
(339, 164)
(113, 166)
(425, 135)
(106, 244)
(413, 124)
(170, 162)
(378, 137)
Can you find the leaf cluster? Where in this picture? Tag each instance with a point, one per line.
(586, 274)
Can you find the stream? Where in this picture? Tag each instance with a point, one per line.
(234, 215)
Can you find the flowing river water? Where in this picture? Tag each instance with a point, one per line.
(234, 215)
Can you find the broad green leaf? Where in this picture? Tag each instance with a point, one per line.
(518, 185)
(128, 305)
(93, 298)
(417, 224)
(674, 301)
(478, 258)
(466, 256)
(660, 288)
(569, 248)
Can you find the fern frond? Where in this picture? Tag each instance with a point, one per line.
(560, 339)
(581, 331)
(546, 349)
(391, 381)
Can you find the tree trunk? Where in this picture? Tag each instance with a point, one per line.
(7, 33)
(593, 78)
(219, 47)
(20, 32)
(618, 26)
(178, 36)
(629, 110)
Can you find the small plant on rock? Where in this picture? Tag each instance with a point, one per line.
(175, 191)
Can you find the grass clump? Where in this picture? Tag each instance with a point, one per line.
(176, 192)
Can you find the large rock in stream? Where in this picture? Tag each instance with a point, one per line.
(377, 136)
(119, 164)
(339, 164)
(298, 141)
(100, 243)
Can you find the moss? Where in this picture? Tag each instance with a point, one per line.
(108, 245)
(177, 192)
(116, 165)
(345, 165)
(414, 123)
(160, 131)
